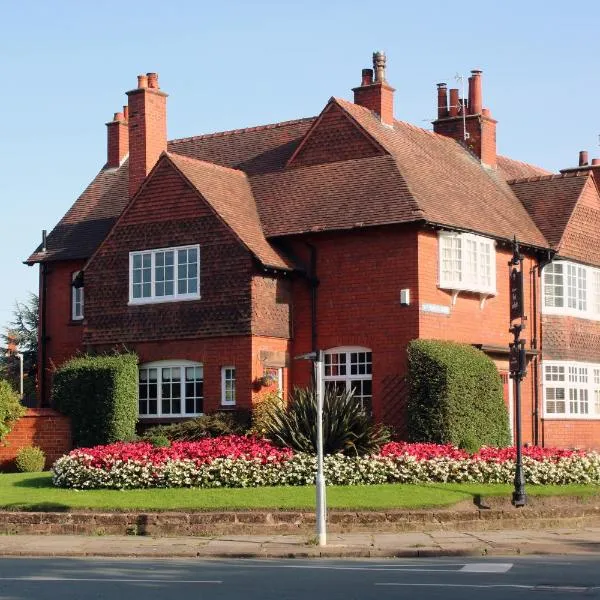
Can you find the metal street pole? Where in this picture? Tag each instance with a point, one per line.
(320, 482)
(20, 355)
(518, 365)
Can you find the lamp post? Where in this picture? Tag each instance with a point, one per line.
(518, 364)
(20, 356)
(321, 500)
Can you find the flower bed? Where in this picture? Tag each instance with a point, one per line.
(236, 461)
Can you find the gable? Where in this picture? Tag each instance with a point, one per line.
(334, 137)
(580, 238)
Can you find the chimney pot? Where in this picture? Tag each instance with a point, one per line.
(454, 102)
(152, 80)
(379, 66)
(475, 96)
(442, 100)
(595, 162)
(583, 158)
(367, 77)
(142, 81)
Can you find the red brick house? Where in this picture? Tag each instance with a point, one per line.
(220, 257)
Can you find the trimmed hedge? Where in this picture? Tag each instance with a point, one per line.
(11, 408)
(455, 396)
(100, 395)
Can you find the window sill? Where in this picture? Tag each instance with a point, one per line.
(75, 322)
(162, 300)
(571, 418)
(167, 418)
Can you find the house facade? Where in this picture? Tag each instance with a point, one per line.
(219, 258)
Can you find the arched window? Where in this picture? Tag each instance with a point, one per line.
(349, 368)
(171, 388)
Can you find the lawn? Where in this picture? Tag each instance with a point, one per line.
(34, 491)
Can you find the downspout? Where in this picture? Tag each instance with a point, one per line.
(42, 340)
(313, 281)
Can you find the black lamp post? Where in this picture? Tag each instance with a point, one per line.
(518, 364)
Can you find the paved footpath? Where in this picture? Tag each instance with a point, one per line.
(441, 543)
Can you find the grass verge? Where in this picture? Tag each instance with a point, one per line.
(34, 491)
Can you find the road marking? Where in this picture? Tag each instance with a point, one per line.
(103, 579)
(486, 568)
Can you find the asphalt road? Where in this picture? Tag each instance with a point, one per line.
(450, 579)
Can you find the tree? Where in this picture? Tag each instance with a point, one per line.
(21, 335)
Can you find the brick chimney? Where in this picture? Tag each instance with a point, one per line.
(375, 93)
(147, 128)
(470, 116)
(117, 139)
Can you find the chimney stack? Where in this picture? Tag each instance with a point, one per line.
(595, 162)
(583, 158)
(147, 120)
(375, 93)
(117, 140)
(469, 114)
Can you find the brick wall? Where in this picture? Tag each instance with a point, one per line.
(41, 427)
(166, 213)
(567, 433)
(271, 306)
(64, 336)
(335, 137)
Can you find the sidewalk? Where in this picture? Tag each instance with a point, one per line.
(350, 545)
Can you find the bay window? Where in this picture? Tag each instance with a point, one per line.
(571, 390)
(467, 262)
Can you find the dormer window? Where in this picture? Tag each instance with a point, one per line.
(467, 262)
(164, 275)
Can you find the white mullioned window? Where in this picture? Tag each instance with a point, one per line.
(76, 299)
(228, 386)
(164, 275)
(571, 289)
(467, 262)
(349, 369)
(171, 389)
(571, 390)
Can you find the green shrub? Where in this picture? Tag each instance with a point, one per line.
(261, 409)
(30, 459)
(10, 408)
(100, 395)
(455, 396)
(346, 426)
(209, 425)
(159, 441)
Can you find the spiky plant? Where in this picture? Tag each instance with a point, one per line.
(347, 428)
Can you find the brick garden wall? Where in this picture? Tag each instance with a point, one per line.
(41, 427)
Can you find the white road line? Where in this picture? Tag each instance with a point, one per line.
(486, 568)
(107, 579)
(460, 585)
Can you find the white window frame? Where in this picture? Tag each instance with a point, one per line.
(225, 378)
(348, 378)
(469, 270)
(176, 297)
(581, 385)
(171, 364)
(581, 289)
(77, 299)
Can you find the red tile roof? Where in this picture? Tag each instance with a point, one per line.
(515, 169)
(228, 193)
(551, 199)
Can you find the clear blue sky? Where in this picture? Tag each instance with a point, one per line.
(230, 64)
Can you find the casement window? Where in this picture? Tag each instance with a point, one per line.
(467, 262)
(171, 389)
(350, 370)
(228, 386)
(571, 390)
(165, 275)
(571, 289)
(76, 299)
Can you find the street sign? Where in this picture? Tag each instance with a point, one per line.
(517, 304)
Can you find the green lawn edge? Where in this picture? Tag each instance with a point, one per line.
(34, 491)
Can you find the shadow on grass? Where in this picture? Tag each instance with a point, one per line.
(41, 481)
(37, 507)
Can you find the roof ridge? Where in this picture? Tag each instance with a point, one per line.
(205, 163)
(549, 177)
(242, 130)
